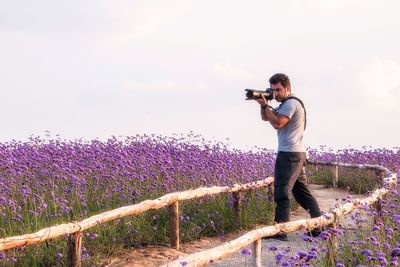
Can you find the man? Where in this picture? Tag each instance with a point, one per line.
(289, 120)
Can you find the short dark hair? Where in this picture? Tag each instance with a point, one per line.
(280, 78)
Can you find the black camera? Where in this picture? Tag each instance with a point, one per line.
(252, 94)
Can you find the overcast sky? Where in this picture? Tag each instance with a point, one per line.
(94, 69)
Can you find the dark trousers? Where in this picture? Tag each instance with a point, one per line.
(290, 176)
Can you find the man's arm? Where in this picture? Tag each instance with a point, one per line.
(276, 120)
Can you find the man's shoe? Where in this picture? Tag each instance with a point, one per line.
(280, 237)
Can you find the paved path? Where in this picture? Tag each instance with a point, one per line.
(326, 198)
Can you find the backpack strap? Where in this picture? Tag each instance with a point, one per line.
(302, 104)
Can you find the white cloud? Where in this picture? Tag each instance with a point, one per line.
(116, 21)
(140, 21)
(79, 50)
(164, 86)
(228, 71)
(379, 81)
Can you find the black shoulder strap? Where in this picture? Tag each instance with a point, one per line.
(302, 104)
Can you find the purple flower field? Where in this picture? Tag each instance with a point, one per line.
(45, 182)
(56, 178)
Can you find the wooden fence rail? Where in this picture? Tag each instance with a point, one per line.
(205, 257)
(171, 199)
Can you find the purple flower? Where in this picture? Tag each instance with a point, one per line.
(325, 235)
(366, 252)
(18, 217)
(272, 248)
(212, 224)
(327, 216)
(301, 254)
(279, 256)
(389, 231)
(375, 243)
(395, 252)
(311, 255)
(246, 252)
(376, 228)
(307, 238)
(91, 235)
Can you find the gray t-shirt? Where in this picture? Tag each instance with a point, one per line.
(290, 136)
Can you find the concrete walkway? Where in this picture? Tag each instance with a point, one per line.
(326, 198)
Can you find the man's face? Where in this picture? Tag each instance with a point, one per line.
(280, 92)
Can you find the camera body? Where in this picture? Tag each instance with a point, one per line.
(252, 94)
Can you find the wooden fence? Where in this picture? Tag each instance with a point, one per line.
(74, 229)
(205, 257)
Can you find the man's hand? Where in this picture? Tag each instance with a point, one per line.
(262, 101)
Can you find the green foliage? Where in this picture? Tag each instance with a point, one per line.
(357, 181)
(321, 176)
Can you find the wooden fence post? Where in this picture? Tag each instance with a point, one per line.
(378, 209)
(270, 193)
(257, 253)
(75, 249)
(332, 246)
(380, 174)
(237, 206)
(174, 225)
(335, 174)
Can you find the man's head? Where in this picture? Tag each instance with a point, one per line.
(280, 83)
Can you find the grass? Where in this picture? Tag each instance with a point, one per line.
(354, 180)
